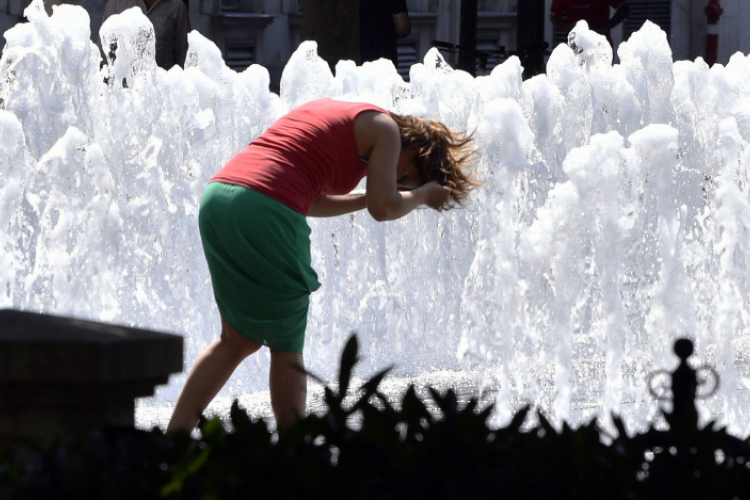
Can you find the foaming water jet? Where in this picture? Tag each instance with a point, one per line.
(614, 215)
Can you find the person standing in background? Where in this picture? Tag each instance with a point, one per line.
(381, 24)
(564, 14)
(48, 4)
(171, 22)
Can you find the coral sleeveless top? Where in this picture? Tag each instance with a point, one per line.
(308, 152)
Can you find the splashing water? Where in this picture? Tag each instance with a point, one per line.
(614, 215)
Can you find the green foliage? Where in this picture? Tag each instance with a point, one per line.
(366, 448)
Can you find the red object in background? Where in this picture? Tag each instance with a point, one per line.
(713, 13)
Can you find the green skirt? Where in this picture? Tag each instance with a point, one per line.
(258, 253)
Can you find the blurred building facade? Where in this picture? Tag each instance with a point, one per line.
(266, 32)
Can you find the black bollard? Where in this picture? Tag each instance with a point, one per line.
(684, 415)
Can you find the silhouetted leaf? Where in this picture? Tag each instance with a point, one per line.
(333, 401)
(447, 403)
(452, 400)
(349, 358)
(371, 386)
(470, 406)
(519, 418)
(620, 426)
(566, 429)
(388, 407)
(313, 376)
(413, 408)
(369, 389)
(545, 423)
(240, 419)
(710, 426)
(485, 414)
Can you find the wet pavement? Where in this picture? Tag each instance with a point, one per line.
(258, 404)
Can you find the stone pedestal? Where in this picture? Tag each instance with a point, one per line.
(63, 377)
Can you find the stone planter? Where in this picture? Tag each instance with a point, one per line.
(63, 377)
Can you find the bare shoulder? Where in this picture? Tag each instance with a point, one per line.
(372, 127)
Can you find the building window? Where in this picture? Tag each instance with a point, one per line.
(240, 53)
(488, 44)
(658, 12)
(408, 54)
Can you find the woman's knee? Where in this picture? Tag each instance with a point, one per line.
(242, 345)
(288, 362)
(287, 357)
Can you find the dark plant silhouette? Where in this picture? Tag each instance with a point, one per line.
(364, 447)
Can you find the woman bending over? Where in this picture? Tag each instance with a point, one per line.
(257, 242)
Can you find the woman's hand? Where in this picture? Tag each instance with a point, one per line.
(389, 197)
(435, 195)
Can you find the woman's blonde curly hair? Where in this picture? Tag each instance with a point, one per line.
(444, 156)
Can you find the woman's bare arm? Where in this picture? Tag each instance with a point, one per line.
(333, 205)
(403, 26)
(379, 134)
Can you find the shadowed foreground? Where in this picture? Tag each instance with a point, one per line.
(405, 452)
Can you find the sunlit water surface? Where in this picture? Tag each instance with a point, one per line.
(614, 215)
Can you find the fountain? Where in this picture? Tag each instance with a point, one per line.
(614, 216)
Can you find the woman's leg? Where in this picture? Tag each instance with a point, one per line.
(288, 384)
(210, 372)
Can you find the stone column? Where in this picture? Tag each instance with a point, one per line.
(64, 377)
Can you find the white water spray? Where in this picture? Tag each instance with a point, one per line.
(614, 215)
